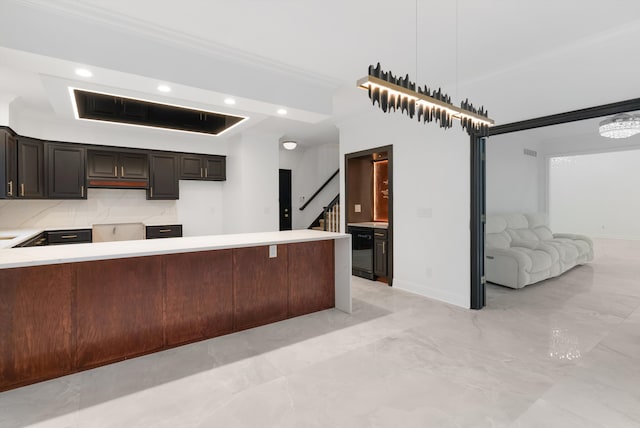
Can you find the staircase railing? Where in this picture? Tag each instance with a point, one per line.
(319, 190)
(331, 215)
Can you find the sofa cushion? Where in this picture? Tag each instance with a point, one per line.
(495, 224)
(516, 221)
(539, 224)
(523, 234)
(537, 220)
(540, 260)
(498, 240)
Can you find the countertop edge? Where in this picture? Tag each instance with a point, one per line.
(74, 253)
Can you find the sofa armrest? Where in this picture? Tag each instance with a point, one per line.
(521, 259)
(574, 237)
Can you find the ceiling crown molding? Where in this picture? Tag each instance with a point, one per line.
(175, 38)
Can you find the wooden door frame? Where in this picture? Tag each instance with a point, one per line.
(368, 152)
(479, 185)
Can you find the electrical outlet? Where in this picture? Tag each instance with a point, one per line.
(273, 251)
(357, 208)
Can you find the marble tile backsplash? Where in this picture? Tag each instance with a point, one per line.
(101, 206)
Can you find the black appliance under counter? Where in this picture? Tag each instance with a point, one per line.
(362, 251)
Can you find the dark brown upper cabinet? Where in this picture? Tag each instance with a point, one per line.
(117, 169)
(215, 168)
(8, 161)
(164, 176)
(66, 177)
(202, 167)
(30, 169)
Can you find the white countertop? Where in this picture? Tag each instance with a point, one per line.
(35, 256)
(9, 238)
(373, 224)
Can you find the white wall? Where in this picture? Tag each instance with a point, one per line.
(513, 178)
(430, 200)
(251, 189)
(596, 194)
(310, 168)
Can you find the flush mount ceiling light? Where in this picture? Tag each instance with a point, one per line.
(282, 111)
(620, 126)
(289, 145)
(229, 101)
(399, 94)
(83, 72)
(164, 88)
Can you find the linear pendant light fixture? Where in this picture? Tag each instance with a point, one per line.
(399, 93)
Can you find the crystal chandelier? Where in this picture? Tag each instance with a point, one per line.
(620, 126)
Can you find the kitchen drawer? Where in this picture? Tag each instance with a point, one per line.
(169, 231)
(77, 236)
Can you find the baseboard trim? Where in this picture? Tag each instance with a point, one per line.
(425, 290)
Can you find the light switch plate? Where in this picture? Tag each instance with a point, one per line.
(273, 251)
(357, 208)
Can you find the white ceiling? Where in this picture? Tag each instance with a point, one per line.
(519, 59)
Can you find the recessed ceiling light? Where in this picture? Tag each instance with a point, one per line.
(83, 72)
(282, 111)
(164, 88)
(289, 145)
(229, 101)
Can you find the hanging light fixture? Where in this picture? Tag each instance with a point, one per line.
(620, 126)
(398, 93)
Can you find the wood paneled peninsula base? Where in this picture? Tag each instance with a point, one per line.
(82, 307)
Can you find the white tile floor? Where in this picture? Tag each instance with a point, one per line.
(563, 353)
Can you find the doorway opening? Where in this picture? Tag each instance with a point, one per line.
(479, 180)
(369, 212)
(284, 196)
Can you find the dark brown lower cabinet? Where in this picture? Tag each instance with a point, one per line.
(311, 277)
(36, 326)
(260, 286)
(119, 309)
(199, 296)
(380, 253)
(60, 319)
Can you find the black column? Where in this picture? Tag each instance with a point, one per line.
(478, 188)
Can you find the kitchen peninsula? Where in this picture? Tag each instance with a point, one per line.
(69, 308)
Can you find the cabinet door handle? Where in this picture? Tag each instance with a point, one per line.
(122, 171)
(201, 173)
(68, 236)
(10, 193)
(151, 192)
(206, 172)
(22, 189)
(379, 234)
(164, 230)
(82, 191)
(115, 171)
(383, 248)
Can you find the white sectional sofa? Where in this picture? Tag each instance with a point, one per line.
(520, 249)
